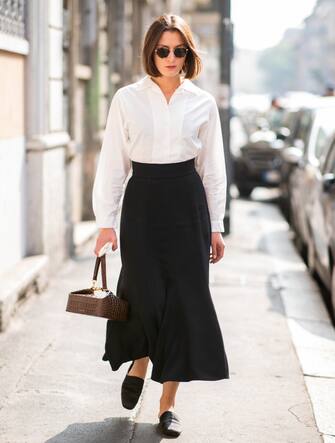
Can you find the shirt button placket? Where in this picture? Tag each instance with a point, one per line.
(168, 151)
(166, 131)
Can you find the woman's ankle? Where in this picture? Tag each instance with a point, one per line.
(139, 367)
(166, 404)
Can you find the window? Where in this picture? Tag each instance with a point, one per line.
(12, 18)
(330, 161)
(304, 126)
(326, 128)
(320, 143)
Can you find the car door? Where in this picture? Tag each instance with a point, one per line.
(300, 182)
(295, 178)
(325, 237)
(318, 199)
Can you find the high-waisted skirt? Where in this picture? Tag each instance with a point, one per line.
(165, 239)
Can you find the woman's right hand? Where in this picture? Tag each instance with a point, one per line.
(106, 235)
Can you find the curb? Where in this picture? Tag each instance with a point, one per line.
(310, 326)
(29, 276)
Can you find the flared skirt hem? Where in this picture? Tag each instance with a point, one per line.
(180, 379)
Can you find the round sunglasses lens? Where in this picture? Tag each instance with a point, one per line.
(162, 52)
(180, 52)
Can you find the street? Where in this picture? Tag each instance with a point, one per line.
(55, 387)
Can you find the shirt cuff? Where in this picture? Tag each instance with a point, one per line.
(108, 222)
(217, 226)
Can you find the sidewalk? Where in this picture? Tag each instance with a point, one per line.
(55, 388)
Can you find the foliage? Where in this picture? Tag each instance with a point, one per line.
(278, 65)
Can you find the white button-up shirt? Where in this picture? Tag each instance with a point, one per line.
(142, 126)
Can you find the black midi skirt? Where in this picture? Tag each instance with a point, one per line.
(165, 238)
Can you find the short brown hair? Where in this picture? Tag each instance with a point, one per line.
(170, 22)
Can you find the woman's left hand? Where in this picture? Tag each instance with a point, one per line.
(218, 247)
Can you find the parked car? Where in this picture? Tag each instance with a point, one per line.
(303, 178)
(257, 163)
(299, 123)
(321, 212)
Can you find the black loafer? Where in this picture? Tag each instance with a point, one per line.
(131, 390)
(169, 424)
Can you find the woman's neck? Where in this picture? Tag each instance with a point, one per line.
(168, 84)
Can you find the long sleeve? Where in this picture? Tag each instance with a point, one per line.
(113, 168)
(210, 165)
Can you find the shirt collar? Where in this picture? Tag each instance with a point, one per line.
(186, 85)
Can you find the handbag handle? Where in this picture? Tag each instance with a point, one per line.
(99, 260)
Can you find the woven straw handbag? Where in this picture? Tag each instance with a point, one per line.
(97, 301)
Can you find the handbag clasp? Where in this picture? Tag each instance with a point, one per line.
(94, 285)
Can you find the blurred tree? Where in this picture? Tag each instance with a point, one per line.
(278, 64)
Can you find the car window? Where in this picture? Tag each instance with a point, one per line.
(304, 126)
(291, 122)
(289, 119)
(321, 142)
(326, 128)
(330, 161)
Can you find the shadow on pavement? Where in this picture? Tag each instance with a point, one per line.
(116, 429)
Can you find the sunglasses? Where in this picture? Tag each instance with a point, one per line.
(164, 52)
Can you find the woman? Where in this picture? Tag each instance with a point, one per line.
(167, 131)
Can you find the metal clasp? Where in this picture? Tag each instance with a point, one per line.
(94, 285)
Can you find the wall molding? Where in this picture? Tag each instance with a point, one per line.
(48, 141)
(13, 44)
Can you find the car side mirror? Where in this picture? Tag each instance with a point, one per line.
(328, 182)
